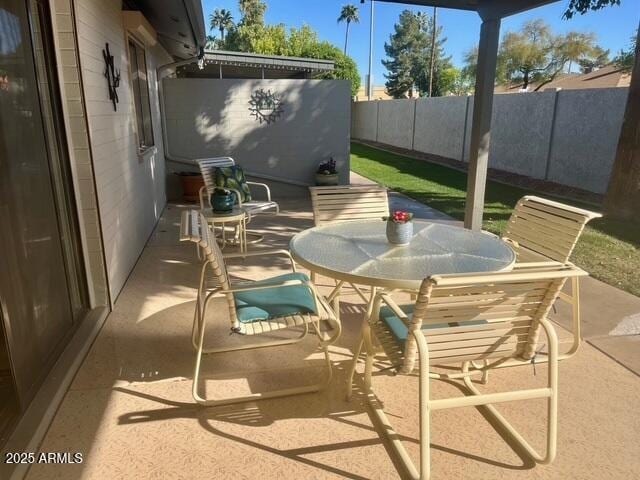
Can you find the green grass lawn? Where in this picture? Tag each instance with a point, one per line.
(608, 249)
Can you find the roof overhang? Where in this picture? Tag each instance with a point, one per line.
(485, 8)
(179, 24)
(271, 62)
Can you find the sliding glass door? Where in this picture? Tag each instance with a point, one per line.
(42, 286)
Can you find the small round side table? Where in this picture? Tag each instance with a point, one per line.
(237, 218)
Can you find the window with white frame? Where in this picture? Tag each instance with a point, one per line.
(140, 87)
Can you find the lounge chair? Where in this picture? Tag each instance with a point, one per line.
(479, 321)
(542, 230)
(288, 301)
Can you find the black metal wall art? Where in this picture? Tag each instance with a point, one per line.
(112, 75)
(266, 106)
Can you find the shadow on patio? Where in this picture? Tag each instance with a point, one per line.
(131, 414)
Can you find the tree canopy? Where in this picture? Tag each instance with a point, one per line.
(409, 50)
(348, 14)
(253, 35)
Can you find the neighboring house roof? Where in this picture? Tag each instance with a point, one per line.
(379, 93)
(609, 76)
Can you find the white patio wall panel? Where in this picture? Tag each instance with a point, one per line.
(130, 188)
(585, 137)
(440, 124)
(568, 137)
(395, 122)
(521, 133)
(211, 118)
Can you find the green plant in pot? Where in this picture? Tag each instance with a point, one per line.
(327, 174)
(222, 200)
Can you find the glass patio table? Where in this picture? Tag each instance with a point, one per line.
(358, 253)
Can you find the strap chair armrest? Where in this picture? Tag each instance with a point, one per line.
(263, 185)
(261, 253)
(204, 201)
(386, 298)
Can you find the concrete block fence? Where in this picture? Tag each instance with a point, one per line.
(568, 137)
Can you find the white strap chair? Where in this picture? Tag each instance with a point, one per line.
(255, 308)
(494, 319)
(347, 203)
(253, 207)
(542, 230)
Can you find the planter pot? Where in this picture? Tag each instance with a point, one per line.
(222, 203)
(325, 180)
(191, 183)
(399, 233)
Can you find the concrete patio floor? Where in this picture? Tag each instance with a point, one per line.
(130, 411)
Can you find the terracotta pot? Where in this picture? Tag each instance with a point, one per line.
(191, 184)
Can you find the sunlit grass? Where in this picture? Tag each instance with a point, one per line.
(608, 249)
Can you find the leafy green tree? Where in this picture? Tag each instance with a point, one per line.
(252, 12)
(536, 54)
(409, 52)
(626, 57)
(598, 59)
(256, 37)
(221, 20)
(583, 6)
(348, 14)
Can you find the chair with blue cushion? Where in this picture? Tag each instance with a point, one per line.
(476, 322)
(288, 301)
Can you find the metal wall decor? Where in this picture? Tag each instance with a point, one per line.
(112, 75)
(266, 106)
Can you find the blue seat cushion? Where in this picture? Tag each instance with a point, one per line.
(399, 329)
(265, 304)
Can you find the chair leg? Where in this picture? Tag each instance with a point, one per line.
(552, 404)
(255, 396)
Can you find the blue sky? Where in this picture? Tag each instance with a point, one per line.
(613, 26)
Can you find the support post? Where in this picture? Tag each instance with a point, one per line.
(481, 126)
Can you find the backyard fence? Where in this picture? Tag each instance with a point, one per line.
(568, 137)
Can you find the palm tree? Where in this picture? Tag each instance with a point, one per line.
(221, 20)
(348, 14)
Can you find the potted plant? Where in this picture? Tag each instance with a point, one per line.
(191, 183)
(222, 200)
(399, 227)
(327, 174)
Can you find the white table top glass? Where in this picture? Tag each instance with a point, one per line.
(358, 252)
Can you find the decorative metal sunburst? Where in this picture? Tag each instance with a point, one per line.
(266, 106)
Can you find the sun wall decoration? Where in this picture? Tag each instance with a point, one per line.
(266, 106)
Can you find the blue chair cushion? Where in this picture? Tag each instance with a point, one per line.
(399, 329)
(265, 304)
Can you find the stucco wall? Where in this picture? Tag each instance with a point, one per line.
(395, 122)
(585, 136)
(130, 188)
(440, 123)
(568, 137)
(211, 118)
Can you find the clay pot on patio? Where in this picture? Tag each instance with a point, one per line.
(191, 183)
(324, 179)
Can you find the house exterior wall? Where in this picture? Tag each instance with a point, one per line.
(211, 118)
(130, 187)
(75, 116)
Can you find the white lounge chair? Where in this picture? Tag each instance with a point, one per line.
(479, 321)
(288, 301)
(542, 230)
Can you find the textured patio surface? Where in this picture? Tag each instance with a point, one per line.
(130, 411)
